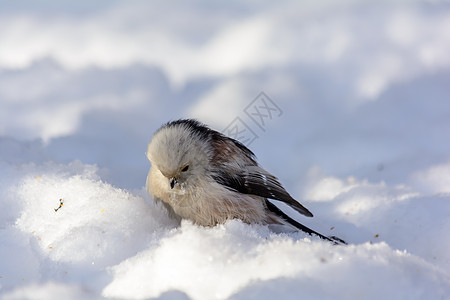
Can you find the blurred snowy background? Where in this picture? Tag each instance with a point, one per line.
(362, 141)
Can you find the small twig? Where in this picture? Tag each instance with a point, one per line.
(61, 203)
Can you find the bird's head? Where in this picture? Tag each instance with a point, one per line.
(180, 152)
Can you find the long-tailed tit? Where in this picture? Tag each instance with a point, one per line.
(201, 175)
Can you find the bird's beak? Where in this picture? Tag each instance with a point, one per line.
(172, 182)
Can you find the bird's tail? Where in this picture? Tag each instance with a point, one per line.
(273, 208)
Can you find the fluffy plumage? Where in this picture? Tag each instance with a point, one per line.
(204, 176)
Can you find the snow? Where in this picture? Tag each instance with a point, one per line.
(360, 138)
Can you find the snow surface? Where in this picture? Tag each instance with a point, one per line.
(362, 141)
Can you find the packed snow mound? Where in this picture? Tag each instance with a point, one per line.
(62, 211)
(218, 263)
(70, 224)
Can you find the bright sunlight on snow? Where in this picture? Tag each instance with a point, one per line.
(358, 133)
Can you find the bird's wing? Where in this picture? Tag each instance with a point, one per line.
(257, 181)
(260, 182)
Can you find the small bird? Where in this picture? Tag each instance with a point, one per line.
(201, 175)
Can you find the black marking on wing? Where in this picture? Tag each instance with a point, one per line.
(268, 186)
(234, 183)
(264, 185)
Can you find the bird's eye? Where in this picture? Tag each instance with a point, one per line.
(186, 167)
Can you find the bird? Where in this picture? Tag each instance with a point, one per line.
(201, 175)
